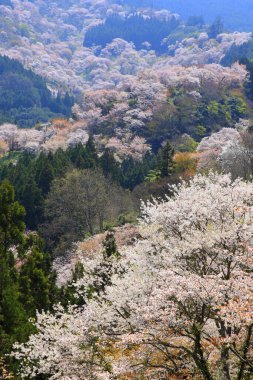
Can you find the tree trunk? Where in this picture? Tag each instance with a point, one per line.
(245, 350)
(198, 356)
(224, 373)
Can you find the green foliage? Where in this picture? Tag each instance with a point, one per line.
(110, 166)
(64, 207)
(67, 293)
(100, 277)
(103, 272)
(248, 84)
(36, 279)
(11, 219)
(134, 172)
(27, 282)
(238, 52)
(196, 117)
(237, 15)
(153, 175)
(81, 202)
(187, 144)
(165, 160)
(109, 246)
(24, 97)
(134, 29)
(32, 178)
(199, 131)
(216, 28)
(236, 107)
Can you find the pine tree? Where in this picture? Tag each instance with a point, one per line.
(165, 159)
(13, 321)
(36, 278)
(216, 28)
(91, 153)
(31, 197)
(109, 165)
(109, 246)
(29, 288)
(44, 173)
(12, 214)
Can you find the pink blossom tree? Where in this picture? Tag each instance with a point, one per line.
(181, 302)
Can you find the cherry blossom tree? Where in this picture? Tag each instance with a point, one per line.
(230, 150)
(181, 302)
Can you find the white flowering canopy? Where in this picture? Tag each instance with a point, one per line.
(181, 295)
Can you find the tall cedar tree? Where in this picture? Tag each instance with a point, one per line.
(13, 321)
(165, 157)
(27, 282)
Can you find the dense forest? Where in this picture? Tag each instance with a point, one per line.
(236, 53)
(28, 289)
(39, 181)
(126, 197)
(24, 97)
(134, 29)
(237, 17)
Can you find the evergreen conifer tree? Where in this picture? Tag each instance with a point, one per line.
(13, 321)
(165, 158)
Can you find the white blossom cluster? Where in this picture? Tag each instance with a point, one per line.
(133, 103)
(48, 38)
(230, 150)
(116, 85)
(181, 297)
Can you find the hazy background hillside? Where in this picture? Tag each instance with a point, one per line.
(237, 14)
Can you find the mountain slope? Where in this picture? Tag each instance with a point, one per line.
(237, 15)
(25, 98)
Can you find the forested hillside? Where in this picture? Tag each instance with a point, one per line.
(134, 29)
(126, 197)
(236, 16)
(24, 97)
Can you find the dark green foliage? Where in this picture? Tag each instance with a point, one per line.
(134, 29)
(249, 84)
(32, 176)
(32, 199)
(237, 15)
(67, 293)
(92, 157)
(216, 28)
(73, 193)
(44, 173)
(27, 282)
(237, 52)
(109, 246)
(11, 219)
(110, 167)
(83, 157)
(134, 172)
(13, 323)
(100, 277)
(36, 279)
(82, 203)
(165, 160)
(102, 274)
(237, 107)
(25, 98)
(183, 114)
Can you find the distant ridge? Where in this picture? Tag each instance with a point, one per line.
(237, 15)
